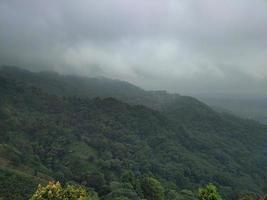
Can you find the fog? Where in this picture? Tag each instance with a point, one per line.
(184, 46)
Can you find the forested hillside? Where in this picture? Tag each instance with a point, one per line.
(96, 131)
(70, 85)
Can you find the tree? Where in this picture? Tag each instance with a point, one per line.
(251, 196)
(264, 197)
(209, 193)
(54, 191)
(181, 195)
(95, 180)
(152, 189)
(129, 177)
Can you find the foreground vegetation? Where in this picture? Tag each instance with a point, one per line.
(151, 190)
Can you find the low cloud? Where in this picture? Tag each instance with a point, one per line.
(184, 46)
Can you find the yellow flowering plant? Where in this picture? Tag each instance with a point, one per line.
(54, 191)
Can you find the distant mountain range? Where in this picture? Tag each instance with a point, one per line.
(92, 130)
(247, 107)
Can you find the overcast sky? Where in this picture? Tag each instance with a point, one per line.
(187, 46)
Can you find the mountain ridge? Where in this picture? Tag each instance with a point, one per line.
(181, 141)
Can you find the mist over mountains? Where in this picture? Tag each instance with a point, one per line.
(182, 46)
(253, 107)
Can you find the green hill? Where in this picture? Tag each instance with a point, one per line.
(93, 130)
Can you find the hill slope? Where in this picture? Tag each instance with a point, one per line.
(70, 85)
(183, 143)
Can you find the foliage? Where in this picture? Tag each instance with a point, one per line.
(16, 185)
(209, 193)
(251, 196)
(152, 189)
(54, 191)
(181, 195)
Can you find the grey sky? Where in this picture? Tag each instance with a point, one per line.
(187, 46)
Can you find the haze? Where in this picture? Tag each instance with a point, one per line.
(184, 46)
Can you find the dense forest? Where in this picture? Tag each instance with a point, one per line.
(119, 141)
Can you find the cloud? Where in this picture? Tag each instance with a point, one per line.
(185, 46)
